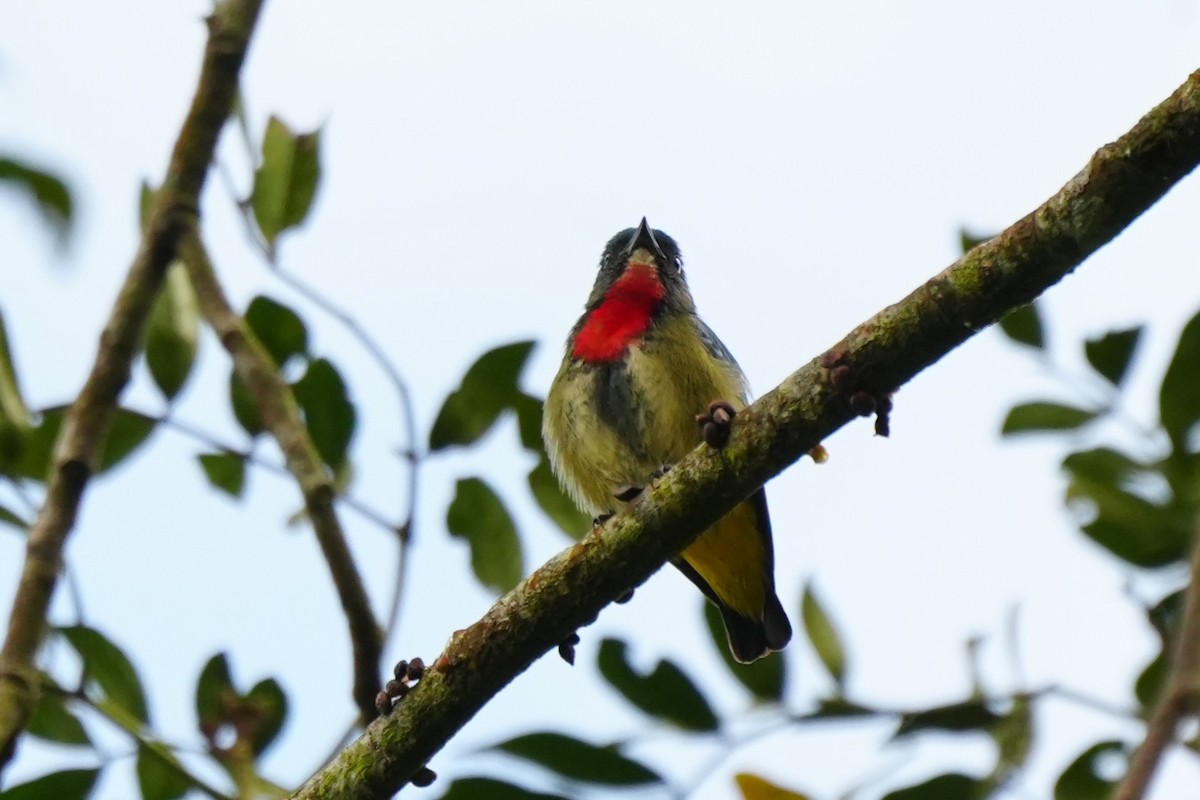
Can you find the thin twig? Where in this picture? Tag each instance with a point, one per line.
(86, 424)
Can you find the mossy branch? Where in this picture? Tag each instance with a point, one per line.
(1120, 182)
(87, 422)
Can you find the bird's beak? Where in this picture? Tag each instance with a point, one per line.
(643, 238)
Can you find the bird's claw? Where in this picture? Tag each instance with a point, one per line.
(716, 423)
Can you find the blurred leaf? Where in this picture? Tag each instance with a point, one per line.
(1102, 465)
(106, 667)
(129, 430)
(268, 707)
(1166, 616)
(1179, 397)
(529, 421)
(491, 789)
(53, 721)
(280, 329)
(666, 693)
(755, 788)
(1083, 779)
(479, 516)
(824, 637)
(328, 411)
(954, 786)
(49, 193)
(1044, 416)
(15, 419)
(12, 518)
(225, 471)
(157, 779)
(213, 688)
(1130, 527)
(285, 184)
(968, 240)
(764, 678)
(1150, 683)
(245, 410)
(488, 387)
(70, 784)
(555, 502)
(1013, 735)
(172, 331)
(579, 760)
(1111, 353)
(972, 715)
(1024, 326)
(839, 708)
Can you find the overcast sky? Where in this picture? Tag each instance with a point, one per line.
(814, 161)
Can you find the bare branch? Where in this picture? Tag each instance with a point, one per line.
(86, 424)
(1120, 182)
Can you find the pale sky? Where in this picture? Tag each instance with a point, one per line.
(814, 161)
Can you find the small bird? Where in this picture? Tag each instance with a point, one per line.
(641, 379)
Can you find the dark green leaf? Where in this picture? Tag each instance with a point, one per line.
(972, 715)
(278, 328)
(969, 240)
(479, 516)
(106, 667)
(128, 432)
(1110, 354)
(555, 502)
(489, 387)
(328, 411)
(269, 708)
(491, 789)
(172, 331)
(1166, 616)
(285, 184)
(1084, 778)
(225, 471)
(754, 787)
(764, 678)
(1013, 735)
(579, 760)
(70, 784)
(160, 776)
(1024, 326)
(12, 518)
(529, 421)
(15, 419)
(954, 786)
(1129, 526)
(1179, 397)
(38, 447)
(1150, 683)
(666, 693)
(214, 688)
(824, 636)
(245, 409)
(53, 721)
(1102, 465)
(1045, 416)
(49, 193)
(839, 708)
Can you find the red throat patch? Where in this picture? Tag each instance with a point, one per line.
(622, 316)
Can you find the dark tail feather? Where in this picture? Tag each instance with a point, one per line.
(751, 639)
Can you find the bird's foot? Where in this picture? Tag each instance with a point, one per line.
(627, 493)
(715, 424)
(601, 519)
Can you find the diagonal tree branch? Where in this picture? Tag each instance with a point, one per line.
(1120, 182)
(281, 415)
(86, 424)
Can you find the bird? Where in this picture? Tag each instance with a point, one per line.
(641, 378)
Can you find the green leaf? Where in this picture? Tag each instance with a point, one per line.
(245, 410)
(158, 778)
(969, 240)
(556, 503)
(268, 708)
(1013, 735)
(954, 786)
(1179, 396)
(764, 678)
(1150, 683)
(225, 471)
(972, 715)
(1045, 416)
(328, 411)
(129, 430)
(15, 419)
(1084, 779)
(173, 331)
(666, 693)
(491, 789)
(53, 721)
(754, 787)
(579, 760)
(1024, 326)
(1111, 353)
(214, 689)
(285, 184)
(11, 517)
(479, 516)
(49, 193)
(1129, 526)
(69, 784)
(529, 422)
(107, 668)
(488, 387)
(824, 636)
(1102, 465)
(280, 329)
